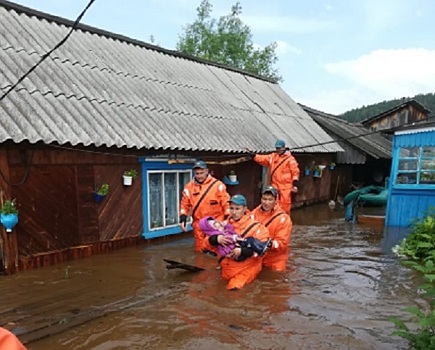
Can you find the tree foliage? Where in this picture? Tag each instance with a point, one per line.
(227, 41)
(358, 114)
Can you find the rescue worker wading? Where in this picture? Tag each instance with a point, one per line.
(203, 196)
(240, 273)
(279, 224)
(284, 172)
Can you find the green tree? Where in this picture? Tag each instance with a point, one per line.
(227, 41)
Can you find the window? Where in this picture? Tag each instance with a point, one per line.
(416, 166)
(164, 196)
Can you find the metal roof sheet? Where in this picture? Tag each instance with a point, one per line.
(100, 88)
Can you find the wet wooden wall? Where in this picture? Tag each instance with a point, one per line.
(249, 177)
(312, 190)
(58, 217)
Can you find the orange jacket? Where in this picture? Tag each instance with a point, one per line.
(280, 228)
(285, 174)
(240, 273)
(9, 341)
(215, 203)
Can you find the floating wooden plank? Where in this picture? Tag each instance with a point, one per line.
(179, 265)
(378, 220)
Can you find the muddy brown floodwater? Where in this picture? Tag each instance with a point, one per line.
(341, 286)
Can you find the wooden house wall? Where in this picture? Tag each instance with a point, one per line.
(249, 177)
(407, 205)
(403, 116)
(53, 189)
(312, 190)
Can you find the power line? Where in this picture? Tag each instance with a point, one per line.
(241, 157)
(47, 54)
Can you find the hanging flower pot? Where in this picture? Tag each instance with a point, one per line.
(128, 177)
(9, 221)
(232, 176)
(101, 193)
(9, 214)
(307, 171)
(127, 180)
(98, 197)
(332, 166)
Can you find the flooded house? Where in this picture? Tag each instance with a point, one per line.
(102, 105)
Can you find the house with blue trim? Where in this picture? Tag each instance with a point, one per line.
(412, 181)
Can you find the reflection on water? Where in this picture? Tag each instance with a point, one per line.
(341, 285)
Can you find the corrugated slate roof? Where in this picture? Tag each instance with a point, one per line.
(100, 88)
(359, 137)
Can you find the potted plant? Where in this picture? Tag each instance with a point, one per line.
(307, 170)
(9, 214)
(232, 176)
(101, 193)
(316, 171)
(332, 166)
(128, 176)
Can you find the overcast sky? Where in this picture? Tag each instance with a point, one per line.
(333, 55)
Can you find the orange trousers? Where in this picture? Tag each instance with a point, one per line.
(240, 273)
(285, 200)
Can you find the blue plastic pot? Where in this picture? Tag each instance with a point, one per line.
(98, 197)
(9, 221)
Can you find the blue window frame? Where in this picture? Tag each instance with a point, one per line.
(163, 185)
(415, 166)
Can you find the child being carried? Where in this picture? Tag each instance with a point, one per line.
(211, 226)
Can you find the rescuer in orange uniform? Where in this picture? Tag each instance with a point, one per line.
(279, 224)
(240, 273)
(284, 173)
(9, 341)
(203, 196)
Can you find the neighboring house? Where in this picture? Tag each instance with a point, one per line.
(412, 184)
(406, 113)
(102, 104)
(366, 159)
